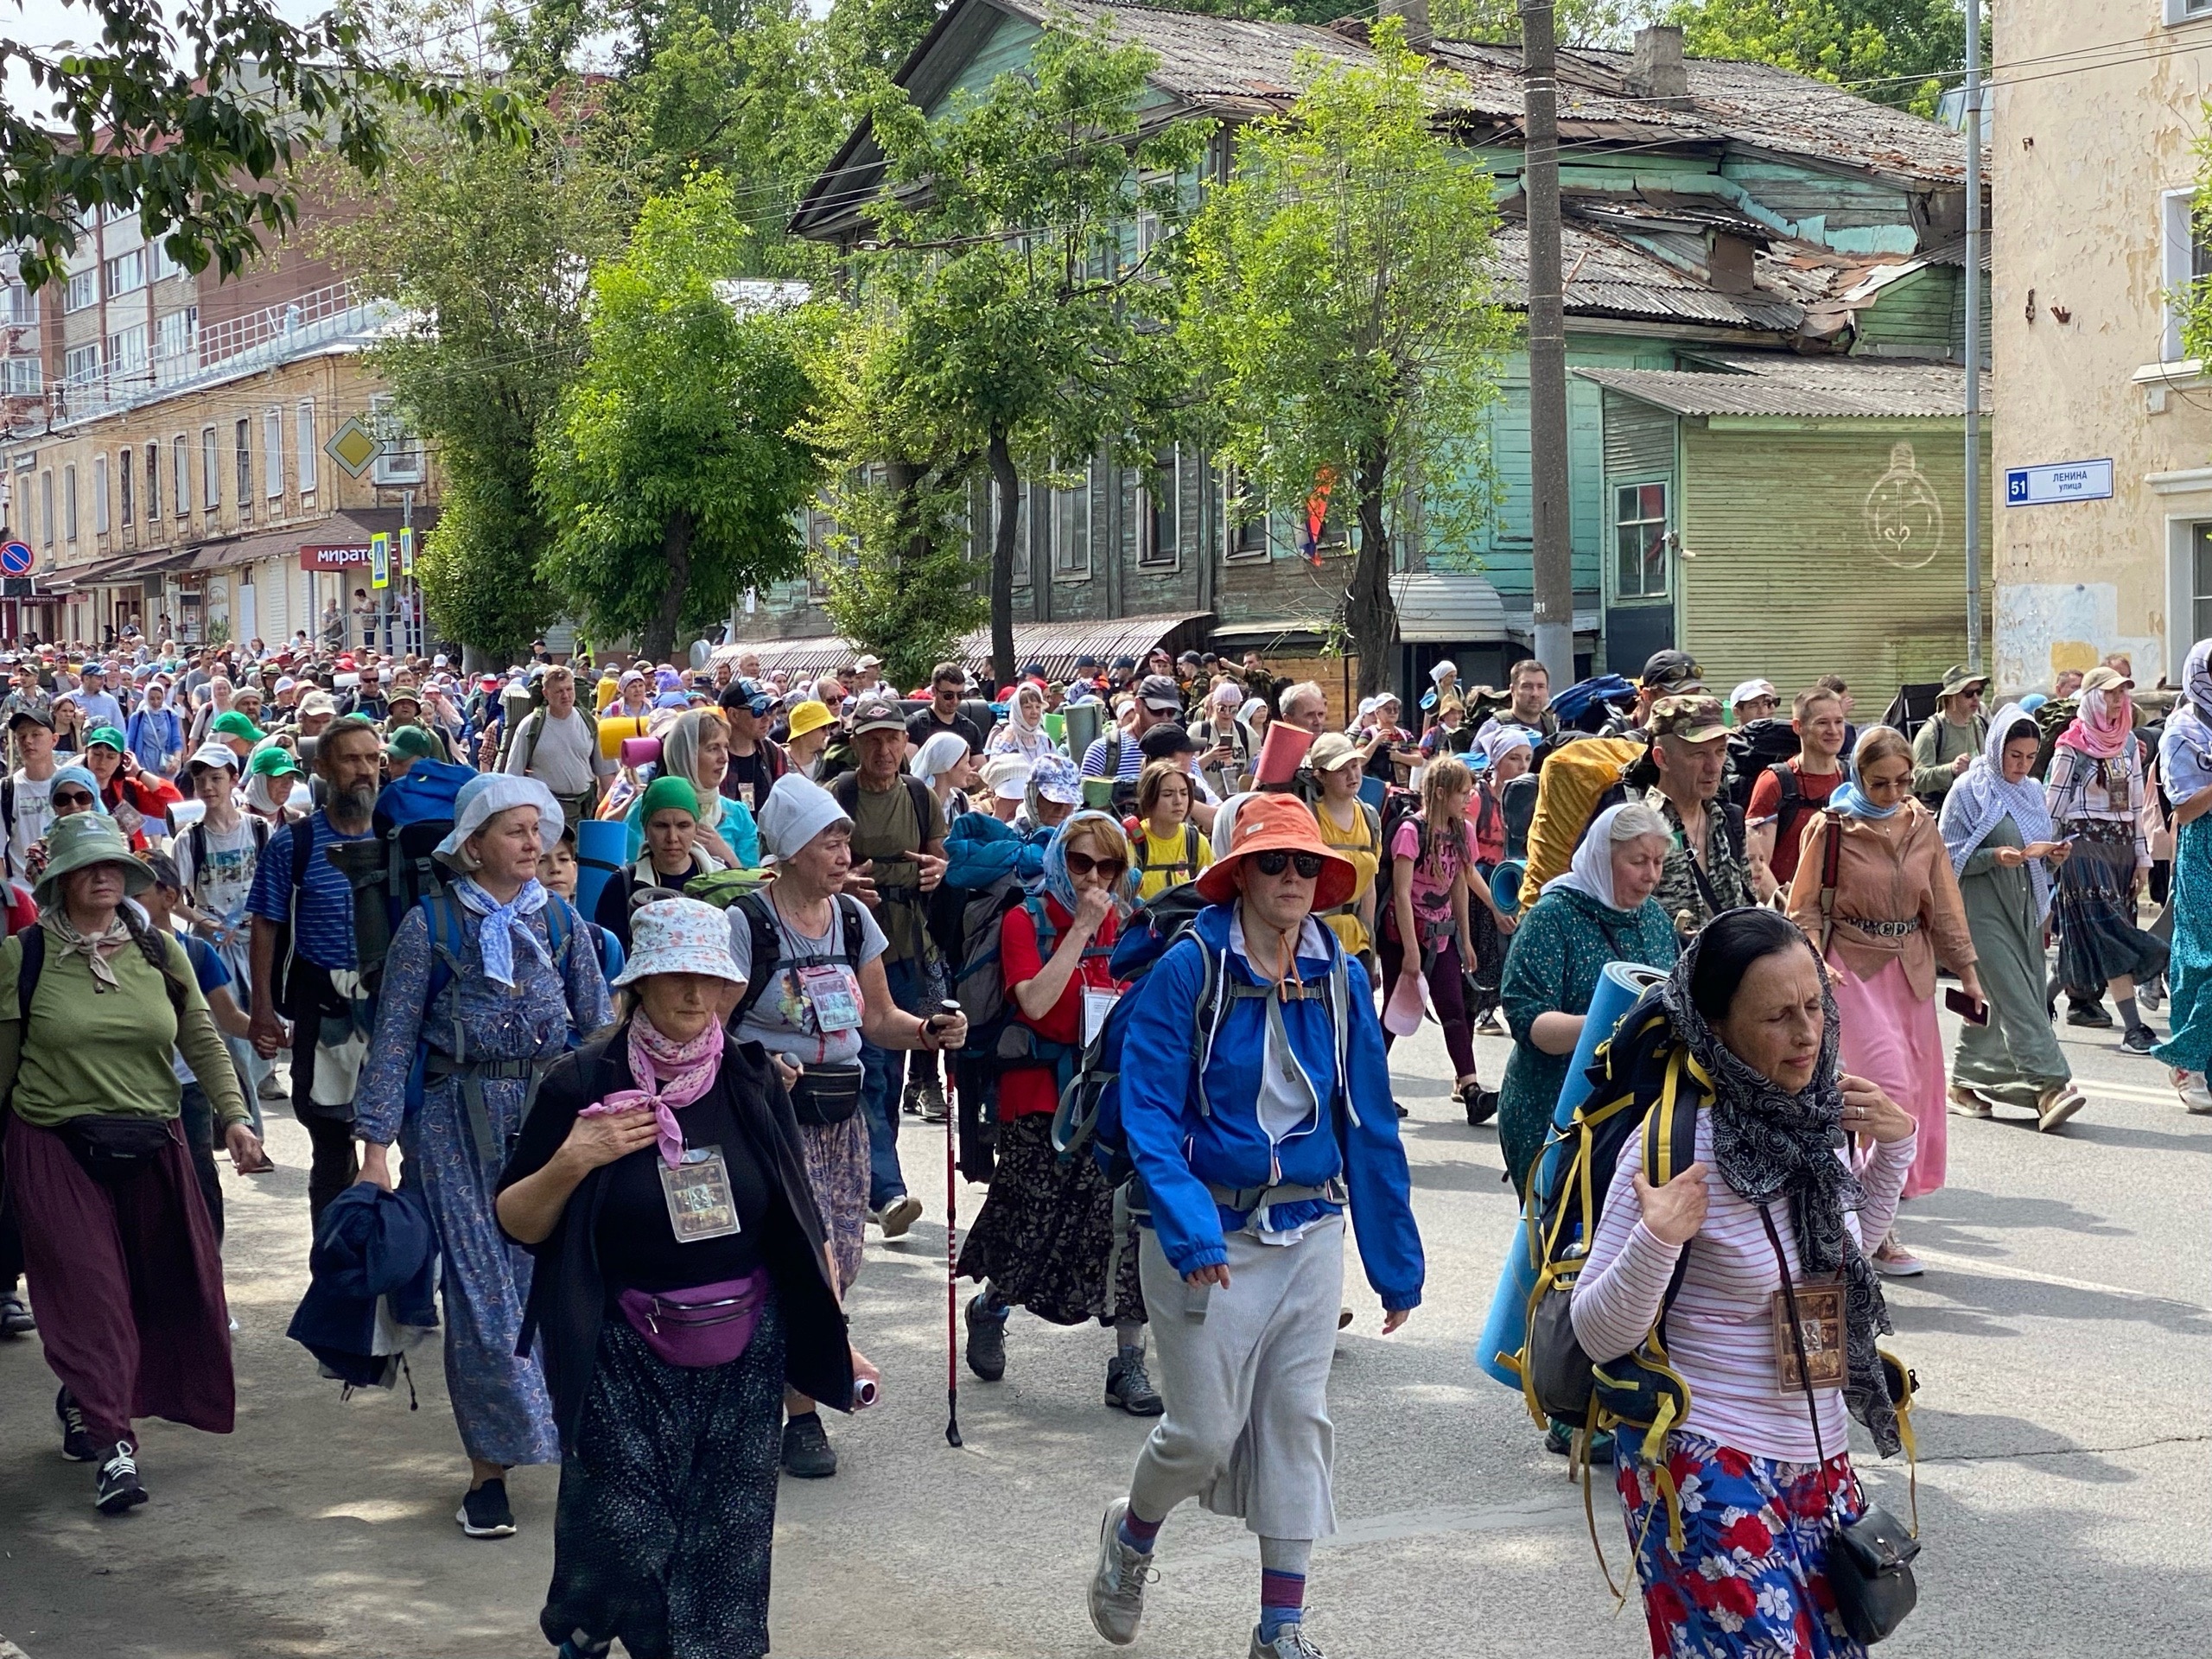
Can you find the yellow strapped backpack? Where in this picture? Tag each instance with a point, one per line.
(1573, 779)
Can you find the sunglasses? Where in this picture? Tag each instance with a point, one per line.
(1308, 865)
(1109, 870)
(75, 797)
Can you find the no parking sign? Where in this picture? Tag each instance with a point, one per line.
(17, 559)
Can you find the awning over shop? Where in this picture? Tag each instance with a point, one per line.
(1055, 645)
(82, 578)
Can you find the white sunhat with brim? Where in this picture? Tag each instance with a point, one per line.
(678, 935)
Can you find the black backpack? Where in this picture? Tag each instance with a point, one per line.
(759, 911)
(1753, 748)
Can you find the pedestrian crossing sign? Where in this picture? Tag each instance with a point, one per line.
(380, 559)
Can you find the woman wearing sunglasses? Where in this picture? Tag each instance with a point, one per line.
(1046, 1237)
(1259, 1116)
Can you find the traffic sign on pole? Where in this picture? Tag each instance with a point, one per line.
(380, 559)
(17, 559)
(407, 550)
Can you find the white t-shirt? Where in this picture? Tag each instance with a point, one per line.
(782, 1019)
(564, 758)
(221, 888)
(34, 817)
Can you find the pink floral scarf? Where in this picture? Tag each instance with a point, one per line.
(671, 1075)
(2096, 731)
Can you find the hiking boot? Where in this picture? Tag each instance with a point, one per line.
(930, 1100)
(1290, 1642)
(1967, 1101)
(2196, 1098)
(1481, 1104)
(76, 1440)
(1892, 1260)
(1117, 1583)
(2140, 1039)
(2055, 1107)
(986, 1342)
(807, 1451)
(118, 1487)
(896, 1217)
(484, 1512)
(1129, 1385)
(2089, 1015)
(15, 1318)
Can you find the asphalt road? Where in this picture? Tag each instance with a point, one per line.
(2062, 1335)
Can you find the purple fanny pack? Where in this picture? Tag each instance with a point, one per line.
(702, 1326)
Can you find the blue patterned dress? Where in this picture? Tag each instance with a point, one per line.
(499, 1399)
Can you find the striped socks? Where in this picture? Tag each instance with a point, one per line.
(1283, 1584)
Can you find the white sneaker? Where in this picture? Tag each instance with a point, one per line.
(1290, 1642)
(899, 1215)
(2196, 1098)
(1117, 1583)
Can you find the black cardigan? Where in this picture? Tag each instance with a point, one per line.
(568, 1296)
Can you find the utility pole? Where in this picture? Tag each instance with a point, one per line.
(1554, 547)
(1974, 336)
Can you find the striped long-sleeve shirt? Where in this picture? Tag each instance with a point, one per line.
(1721, 1330)
(2083, 789)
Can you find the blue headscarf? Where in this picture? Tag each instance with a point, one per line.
(1981, 799)
(2185, 751)
(1849, 802)
(83, 778)
(1058, 883)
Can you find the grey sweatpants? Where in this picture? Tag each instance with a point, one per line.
(1247, 1429)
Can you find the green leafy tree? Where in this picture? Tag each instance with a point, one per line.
(1901, 53)
(2192, 304)
(197, 116)
(1025, 327)
(899, 579)
(1578, 22)
(1335, 294)
(483, 244)
(671, 474)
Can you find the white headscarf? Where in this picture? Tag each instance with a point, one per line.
(1591, 873)
(940, 755)
(1024, 733)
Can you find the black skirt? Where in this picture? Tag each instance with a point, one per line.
(2098, 939)
(667, 1511)
(1045, 1235)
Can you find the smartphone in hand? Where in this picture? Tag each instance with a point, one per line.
(1974, 1013)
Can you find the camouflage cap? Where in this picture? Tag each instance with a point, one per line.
(1693, 720)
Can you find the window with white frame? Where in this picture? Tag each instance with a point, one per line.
(181, 476)
(22, 306)
(163, 267)
(400, 461)
(99, 495)
(1640, 541)
(81, 365)
(1243, 520)
(126, 350)
(126, 272)
(272, 452)
(2187, 264)
(176, 344)
(82, 291)
(211, 470)
(309, 451)
(1072, 531)
(22, 376)
(69, 505)
(2186, 11)
(1159, 515)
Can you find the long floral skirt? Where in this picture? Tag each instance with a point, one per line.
(1045, 1235)
(1752, 1580)
(2098, 939)
(836, 1168)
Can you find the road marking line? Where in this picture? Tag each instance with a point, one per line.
(2128, 1092)
(1971, 1264)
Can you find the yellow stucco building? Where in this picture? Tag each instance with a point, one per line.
(2096, 109)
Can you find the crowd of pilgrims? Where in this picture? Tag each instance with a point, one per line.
(639, 1143)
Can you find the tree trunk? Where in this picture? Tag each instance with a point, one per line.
(676, 548)
(1007, 483)
(1370, 615)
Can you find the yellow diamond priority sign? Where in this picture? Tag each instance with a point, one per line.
(353, 446)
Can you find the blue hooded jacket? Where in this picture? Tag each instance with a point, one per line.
(979, 849)
(1179, 1149)
(372, 1243)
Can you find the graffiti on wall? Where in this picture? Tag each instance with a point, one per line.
(2045, 628)
(1904, 516)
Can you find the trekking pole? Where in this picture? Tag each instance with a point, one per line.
(951, 1289)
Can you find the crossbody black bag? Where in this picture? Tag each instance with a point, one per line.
(1870, 1565)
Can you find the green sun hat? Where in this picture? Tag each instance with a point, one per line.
(273, 762)
(83, 839)
(413, 742)
(234, 724)
(108, 735)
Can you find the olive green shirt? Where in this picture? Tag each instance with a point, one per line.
(95, 1051)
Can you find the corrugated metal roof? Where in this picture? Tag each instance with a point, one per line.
(1814, 387)
(1607, 276)
(1206, 58)
(1446, 607)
